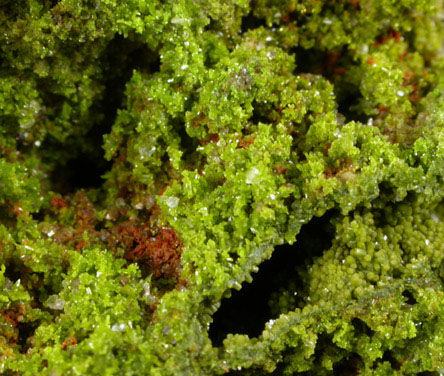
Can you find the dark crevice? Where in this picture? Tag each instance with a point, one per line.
(85, 164)
(331, 65)
(317, 235)
(121, 57)
(410, 299)
(13, 9)
(248, 310)
(14, 270)
(441, 272)
(252, 371)
(188, 145)
(348, 99)
(380, 218)
(100, 225)
(237, 373)
(16, 9)
(389, 357)
(9, 373)
(38, 216)
(361, 327)
(308, 61)
(386, 193)
(325, 347)
(349, 366)
(8, 218)
(84, 171)
(52, 3)
(260, 113)
(250, 22)
(34, 282)
(26, 332)
(397, 273)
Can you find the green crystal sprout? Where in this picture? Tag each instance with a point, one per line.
(153, 155)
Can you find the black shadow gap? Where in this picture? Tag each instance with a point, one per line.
(87, 164)
(247, 310)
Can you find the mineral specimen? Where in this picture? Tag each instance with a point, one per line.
(157, 156)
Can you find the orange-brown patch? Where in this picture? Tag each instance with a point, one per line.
(69, 342)
(355, 4)
(244, 143)
(280, 169)
(371, 61)
(160, 250)
(340, 71)
(58, 202)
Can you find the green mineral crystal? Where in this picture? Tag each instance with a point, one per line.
(156, 156)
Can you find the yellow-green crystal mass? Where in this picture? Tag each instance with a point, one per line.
(155, 154)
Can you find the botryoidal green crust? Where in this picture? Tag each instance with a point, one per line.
(256, 118)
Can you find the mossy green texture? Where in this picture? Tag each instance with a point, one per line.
(235, 124)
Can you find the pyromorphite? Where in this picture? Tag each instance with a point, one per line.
(153, 155)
